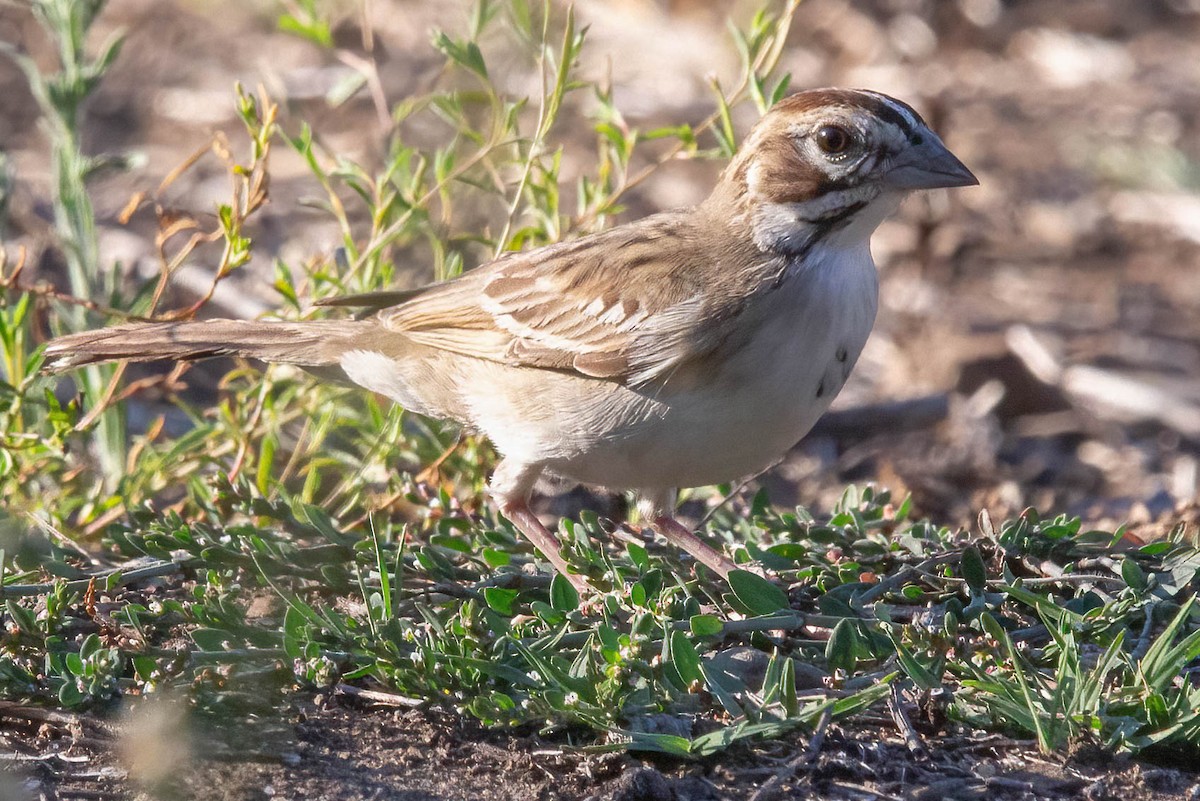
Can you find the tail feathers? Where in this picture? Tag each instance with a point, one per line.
(307, 344)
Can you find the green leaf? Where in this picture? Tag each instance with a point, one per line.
(757, 594)
(315, 31)
(1164, 658)
(609, 637)
(719, 740)
(842, 645)
(563, 595)
(90, 645)
(790, 551)
(863, 699)
(660, 743)
(787, 689)
(778, 94)
(496, 557)
(294, 625)
(466, 54)
(23, 617)
(973, 570)
(993, 628)
(653, 582)
(706, 625)
(638, 555)
(522, 19)
(685, 659)
(1133, 575)
(266, 464)
(113, 580)
(69, 695)
(547, 613)
(1155, 548)
(712, 682)
(916, 670)
(144, 667)
(208, 639)
(500, 599)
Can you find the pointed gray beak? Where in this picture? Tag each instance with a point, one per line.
(929, 165)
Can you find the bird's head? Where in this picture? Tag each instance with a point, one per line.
(831, 164)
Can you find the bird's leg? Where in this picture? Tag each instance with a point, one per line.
(526, 521)
(511, 486)
(681, 536)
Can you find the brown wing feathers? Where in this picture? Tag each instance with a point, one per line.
(559, 308)
(563, 307)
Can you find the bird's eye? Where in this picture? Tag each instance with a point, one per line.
(833, 139)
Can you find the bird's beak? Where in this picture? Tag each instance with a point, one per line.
(929, 165)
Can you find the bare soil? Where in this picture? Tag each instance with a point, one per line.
(334, 751)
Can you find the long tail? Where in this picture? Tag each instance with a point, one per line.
(308, 344)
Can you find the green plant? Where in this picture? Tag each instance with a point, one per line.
(60, 97)
(1121, 701)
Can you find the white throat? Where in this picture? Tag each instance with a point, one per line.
(792, 229)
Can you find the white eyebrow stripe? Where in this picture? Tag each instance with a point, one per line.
(914, 125)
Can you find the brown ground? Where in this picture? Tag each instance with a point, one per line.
(1045, 326)
(344, 752)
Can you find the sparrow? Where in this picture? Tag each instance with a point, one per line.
(687, 348)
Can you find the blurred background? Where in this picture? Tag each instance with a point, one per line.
(1038, 341)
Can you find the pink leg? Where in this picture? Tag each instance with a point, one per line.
(511, 487)
(680, 536)
(527, 523)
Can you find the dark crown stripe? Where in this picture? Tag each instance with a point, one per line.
(898, 113)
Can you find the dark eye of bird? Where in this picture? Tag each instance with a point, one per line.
(833, 139)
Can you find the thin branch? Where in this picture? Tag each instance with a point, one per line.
(911, 739)
(80, 585)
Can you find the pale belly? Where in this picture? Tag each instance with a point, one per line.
(708, 437)
(752, 409)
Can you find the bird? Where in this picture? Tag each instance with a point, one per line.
(687, 348)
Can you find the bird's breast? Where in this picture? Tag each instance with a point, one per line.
(795, 348)
(794, 362)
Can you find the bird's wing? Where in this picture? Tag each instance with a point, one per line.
(630, 305)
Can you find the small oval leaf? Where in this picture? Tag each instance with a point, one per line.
(839, 651)
(563, 596)
(706, 625)
(500, 599)
(1133, 574)
(973, 570)
(758, 595)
